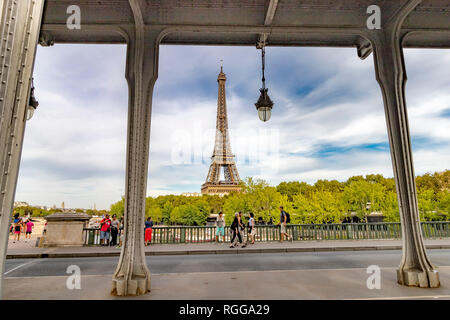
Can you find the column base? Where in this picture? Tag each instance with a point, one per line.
(418, 278)
(130, 287)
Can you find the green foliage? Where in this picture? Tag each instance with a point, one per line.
(362, 196)
(324, 202)
(317, 208)
(118, 208)
(190, 214)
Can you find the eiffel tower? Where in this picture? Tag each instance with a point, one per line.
(222, 157)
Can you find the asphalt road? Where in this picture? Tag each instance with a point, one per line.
(221, 263)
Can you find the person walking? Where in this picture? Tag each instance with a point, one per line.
(29, 227)
(24, 223)
(148, 231)
(252, 228)
(235, 229)
(115, 224)
(220, 227)
(105, 230)
(283, 222)
(242, 230)
(17, 227)
(120, 233)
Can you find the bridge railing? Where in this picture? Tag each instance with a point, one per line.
(299, 232)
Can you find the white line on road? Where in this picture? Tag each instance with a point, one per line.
(19, 266)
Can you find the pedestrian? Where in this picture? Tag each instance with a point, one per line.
(44, 232)
(17, 227)
(120, 233)
(242, 230)
(148, 230)
(283, 223)
(235, 227)
(105, 228)
(115, 225)
(24, 223)
(252, 228)
(220, 227)
(29, 228)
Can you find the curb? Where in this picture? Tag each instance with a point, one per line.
(217, 251)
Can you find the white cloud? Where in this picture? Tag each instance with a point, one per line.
(327, 118)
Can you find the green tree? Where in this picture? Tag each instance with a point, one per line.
(118, 208)
(358, 194)
(167, 212)
(390, 207)
(290, 189)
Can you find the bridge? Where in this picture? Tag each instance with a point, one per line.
(144, 25)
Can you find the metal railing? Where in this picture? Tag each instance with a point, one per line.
(264, 233)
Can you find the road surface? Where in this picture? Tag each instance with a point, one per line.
(221, 263)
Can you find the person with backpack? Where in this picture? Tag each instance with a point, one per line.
(285, 218)
(105, 230)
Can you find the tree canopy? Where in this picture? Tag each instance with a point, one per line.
(326, 201)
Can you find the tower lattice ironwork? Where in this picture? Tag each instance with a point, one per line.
(222, 158)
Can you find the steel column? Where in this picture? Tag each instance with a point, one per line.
(415, 268)
(20, 27)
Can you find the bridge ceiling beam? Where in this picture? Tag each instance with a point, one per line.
(236, 22)
(270, 14)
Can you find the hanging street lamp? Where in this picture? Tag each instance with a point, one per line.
(32, 103)
(264, 104)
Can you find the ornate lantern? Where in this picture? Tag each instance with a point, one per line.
(32, 103)
(264, 104)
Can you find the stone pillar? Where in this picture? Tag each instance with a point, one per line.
(132, 277)
(415, 268)
(65, 229)
(19, 32)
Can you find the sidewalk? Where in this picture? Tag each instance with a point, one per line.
(221, 248)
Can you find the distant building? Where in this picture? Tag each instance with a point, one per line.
(191, 194)
(18, 204)
(375, 216)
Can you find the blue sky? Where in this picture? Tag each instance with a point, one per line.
(327, 122)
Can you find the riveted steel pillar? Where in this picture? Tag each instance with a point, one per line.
(19, 30)
(132, 276)
(415, 268)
